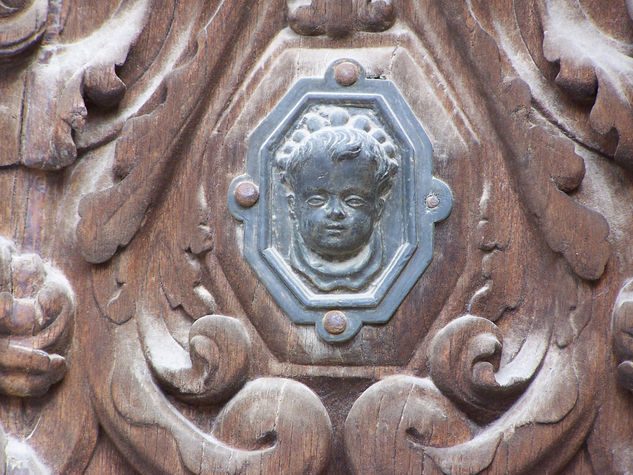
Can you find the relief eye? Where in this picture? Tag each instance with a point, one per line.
(355, 201)
(316, 201)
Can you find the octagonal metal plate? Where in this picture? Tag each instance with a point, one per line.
(402, 234)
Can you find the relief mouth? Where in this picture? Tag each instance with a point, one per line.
(336, 227)
(334, 232)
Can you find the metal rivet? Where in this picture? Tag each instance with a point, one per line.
(246, 194)
(432, 201)
(346, 73)
(335, 322)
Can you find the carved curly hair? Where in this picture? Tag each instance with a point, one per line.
(332, 131)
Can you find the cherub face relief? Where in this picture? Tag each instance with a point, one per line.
(337, 169)
(336, 203)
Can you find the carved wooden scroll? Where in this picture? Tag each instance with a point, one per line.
(316, 236)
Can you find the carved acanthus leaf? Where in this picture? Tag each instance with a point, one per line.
(61, 77)
(110, 218)
(180, 277)
(37, 308)
(593, 67)
(544, 179)
(176, 264)
(502, 288)
(546, 166)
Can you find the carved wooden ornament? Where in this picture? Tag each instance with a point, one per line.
(316, 236)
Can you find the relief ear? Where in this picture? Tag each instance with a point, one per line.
(380, 207)
(291, 204)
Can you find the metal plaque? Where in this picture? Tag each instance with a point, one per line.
(339, 202)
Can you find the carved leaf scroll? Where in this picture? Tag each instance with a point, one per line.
(21, 25)
(271, 423)
(546, 166)
(464, 363)
(215, 366)
(403, 424)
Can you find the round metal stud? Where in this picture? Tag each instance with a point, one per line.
(346, 73)
(246, 194)
(335, 322)
(432, 201)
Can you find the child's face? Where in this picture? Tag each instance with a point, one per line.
(336, 204)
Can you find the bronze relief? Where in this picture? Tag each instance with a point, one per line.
(343, 216)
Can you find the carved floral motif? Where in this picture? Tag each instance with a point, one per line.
(37, 311)
(37, 308)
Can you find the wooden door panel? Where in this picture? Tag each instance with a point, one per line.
(178, 296)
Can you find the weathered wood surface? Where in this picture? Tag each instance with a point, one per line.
(135, 336)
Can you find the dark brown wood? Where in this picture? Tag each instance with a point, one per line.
(135, 336)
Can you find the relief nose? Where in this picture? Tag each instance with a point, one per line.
(336, 210)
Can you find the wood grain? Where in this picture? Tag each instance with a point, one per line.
(135, 336)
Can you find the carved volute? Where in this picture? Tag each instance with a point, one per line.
(316, 236)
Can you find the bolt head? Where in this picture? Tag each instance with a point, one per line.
(432, 201)
(335, 322)
(346, 73)
(246, 194)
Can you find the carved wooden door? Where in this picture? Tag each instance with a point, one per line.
(327, 236)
